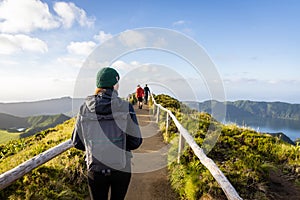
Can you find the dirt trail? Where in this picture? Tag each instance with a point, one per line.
(282, 186)
(149, 178)
(154, 184)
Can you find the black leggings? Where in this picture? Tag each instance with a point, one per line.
(99, 185)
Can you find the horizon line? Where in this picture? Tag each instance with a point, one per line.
(199, 101)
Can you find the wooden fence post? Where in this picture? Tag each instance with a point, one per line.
(167, 124)
(180, 147)
(157, 115)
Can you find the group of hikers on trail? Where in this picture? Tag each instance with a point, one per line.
(107, 130)
(142, 95)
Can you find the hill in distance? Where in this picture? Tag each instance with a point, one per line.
(257, 165)
(235, 109)
(246, 109)
(245, 112)
(12, 127)
(64, 105)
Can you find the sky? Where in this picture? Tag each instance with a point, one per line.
(253, 46)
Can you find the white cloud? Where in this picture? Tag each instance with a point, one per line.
(25, 16)
(102, 36)
(183, 26)
(34, 88)
(132, 39)
(124, 66)
(81, 48)
(8, 62)
(160, 43)
(14, 43)
(179, 22)
(70, 13)
(74, 62)
(262, 89)
(161, 79)
(242, 81)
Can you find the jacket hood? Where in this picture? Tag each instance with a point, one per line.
(102, 103)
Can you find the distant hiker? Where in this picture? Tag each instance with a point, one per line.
(147, 92)
(139, 96)
(107, 130)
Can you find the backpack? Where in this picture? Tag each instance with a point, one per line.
(105, 140)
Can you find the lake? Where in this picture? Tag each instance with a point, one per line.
(290, 128)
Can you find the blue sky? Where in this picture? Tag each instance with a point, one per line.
(254, 44)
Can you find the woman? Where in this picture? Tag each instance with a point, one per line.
(107, 146)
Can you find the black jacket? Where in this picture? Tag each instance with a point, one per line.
(108, 103)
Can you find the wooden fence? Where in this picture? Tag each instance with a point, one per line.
(14, 174)
(226, 186)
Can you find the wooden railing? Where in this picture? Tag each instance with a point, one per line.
(226, 186)
(14, 174)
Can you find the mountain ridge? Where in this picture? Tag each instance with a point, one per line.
(65, 105)
(250, 109)
(244, 156)
(13, 126)
(69, 106)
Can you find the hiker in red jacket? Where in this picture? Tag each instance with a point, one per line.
(139, 96)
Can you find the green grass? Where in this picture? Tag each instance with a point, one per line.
(6, 136)
(243, 155)
(61, 178)
(37, 124)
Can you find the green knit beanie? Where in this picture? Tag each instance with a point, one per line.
(107, 77)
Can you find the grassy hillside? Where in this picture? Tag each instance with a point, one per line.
(6, 136)
(10, 125)
(9, 121)
(258, 165)
(61, 178)
(43, 122)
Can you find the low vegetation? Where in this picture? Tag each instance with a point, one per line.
(251, 161)
(247, 158)
(61, 178)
